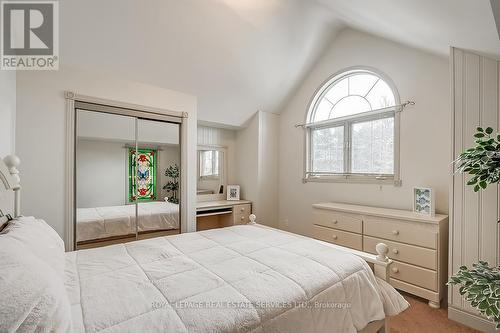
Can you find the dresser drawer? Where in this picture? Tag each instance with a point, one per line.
(418, 276)
(401, 231)
(241, 214)
(241, 218)
(337, 220)
(242, 209)
(402, 252)
(338, 237)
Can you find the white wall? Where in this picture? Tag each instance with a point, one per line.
(7, 127)
(167, 156)
(41, 133)
(268, 169)
(257, 165)
(247, 161)
(101, 174)
(425, 129)
(7, 112)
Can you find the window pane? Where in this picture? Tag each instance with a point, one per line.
(357, 93)
(206, 163)
(337, 91)
(215, 169)
(328, 150)
(323, 110)
(381, 96)
(373, 146)
(349, 106)
(361, 84)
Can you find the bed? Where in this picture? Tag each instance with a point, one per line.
(105, 222)
(246, 278)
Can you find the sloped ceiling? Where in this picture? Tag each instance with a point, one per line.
(432, 25)
(236, 56)
(240, 56)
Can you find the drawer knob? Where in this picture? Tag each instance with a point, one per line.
(242, 209)
(395, 251)
(334, 237)
(395, 232)
(335, 221)
(395, 270)
(242, 218)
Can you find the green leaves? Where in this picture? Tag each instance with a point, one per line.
(172, 185)
(482, 162)
(480, 286)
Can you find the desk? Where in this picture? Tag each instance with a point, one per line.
(222, 213)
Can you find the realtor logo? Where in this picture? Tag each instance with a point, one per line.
(29, 35)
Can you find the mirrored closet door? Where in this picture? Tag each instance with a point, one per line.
(157, 181)
(127, 175)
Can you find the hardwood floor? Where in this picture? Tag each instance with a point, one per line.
(421, 318)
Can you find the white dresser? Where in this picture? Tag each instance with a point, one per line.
(418, 244)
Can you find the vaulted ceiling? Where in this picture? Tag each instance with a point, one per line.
(239, 56)
(432, 25)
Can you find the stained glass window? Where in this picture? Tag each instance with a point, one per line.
(142, 174)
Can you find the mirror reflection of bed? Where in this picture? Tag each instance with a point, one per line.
(127, 179)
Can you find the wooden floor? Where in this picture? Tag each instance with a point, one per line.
(421, 318)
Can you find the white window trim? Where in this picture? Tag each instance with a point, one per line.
(381, 179)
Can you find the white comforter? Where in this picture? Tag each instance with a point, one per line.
(102, 222)
(237, 279)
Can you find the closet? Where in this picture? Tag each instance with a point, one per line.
(474, 228)
(127, 175)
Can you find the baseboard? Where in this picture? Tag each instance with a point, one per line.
(468, 319)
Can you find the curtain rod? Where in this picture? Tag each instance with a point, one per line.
(398, 108)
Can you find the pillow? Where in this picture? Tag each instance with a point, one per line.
(33, 297)
(43, 241)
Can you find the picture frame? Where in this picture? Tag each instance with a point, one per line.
(233, 192)
(424, 201)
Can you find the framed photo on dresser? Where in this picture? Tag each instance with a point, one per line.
(233, 192)
(423, 201)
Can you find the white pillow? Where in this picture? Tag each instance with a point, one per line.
(41, 239)
(33, 297)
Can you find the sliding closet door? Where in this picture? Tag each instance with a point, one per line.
(105, 210)
(474, 231)
(157, 183)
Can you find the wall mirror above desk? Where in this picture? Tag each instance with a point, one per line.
(212, 172)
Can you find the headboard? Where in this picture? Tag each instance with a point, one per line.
(10, 181)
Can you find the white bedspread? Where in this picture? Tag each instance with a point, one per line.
(102, 222)
(237, 279)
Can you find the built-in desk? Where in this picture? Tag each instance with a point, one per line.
(222, 213)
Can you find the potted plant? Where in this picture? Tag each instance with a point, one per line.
(480, 285)
(172, 185)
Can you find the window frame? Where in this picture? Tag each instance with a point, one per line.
(347, 122)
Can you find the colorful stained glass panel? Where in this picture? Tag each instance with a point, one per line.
(142, 174)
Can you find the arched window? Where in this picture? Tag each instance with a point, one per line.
(352, 129)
